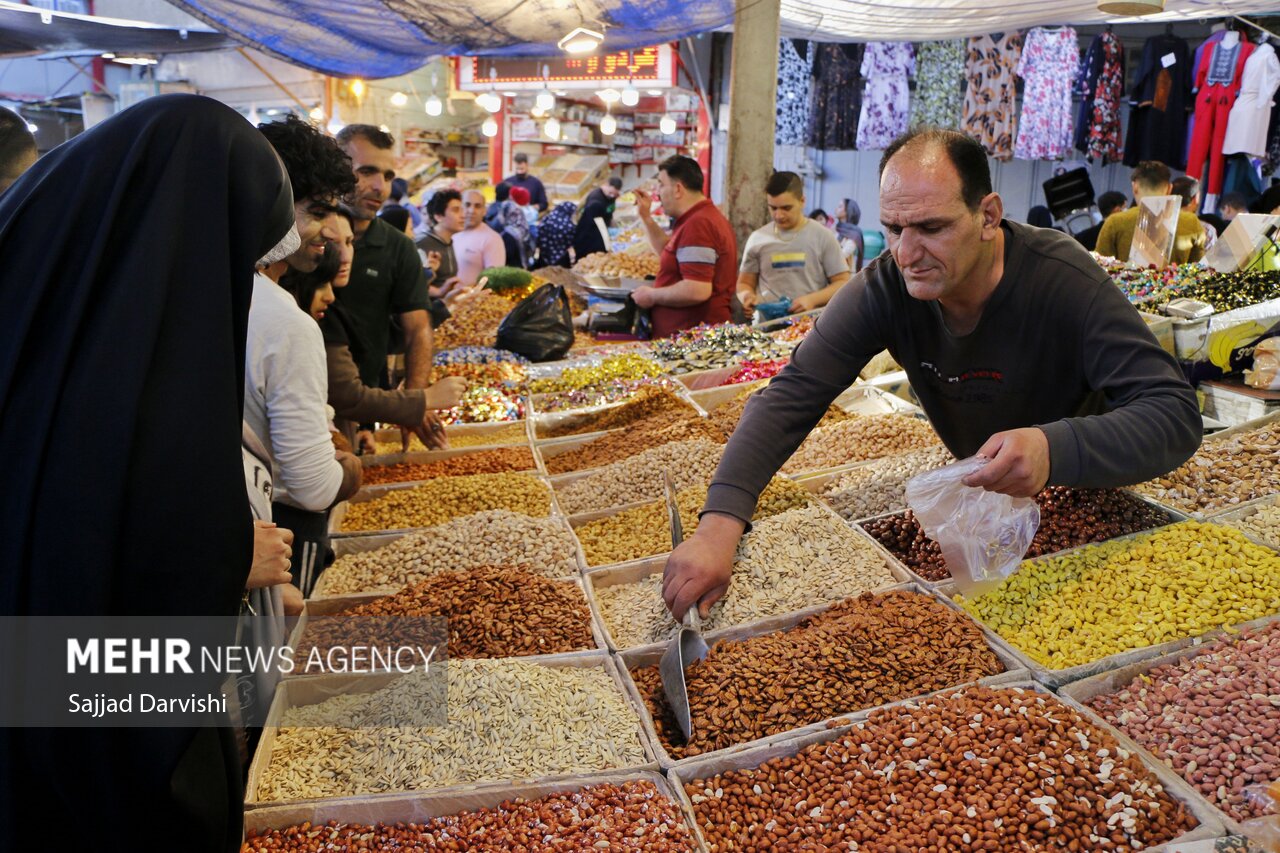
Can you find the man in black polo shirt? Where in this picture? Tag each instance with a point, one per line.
(387, 278)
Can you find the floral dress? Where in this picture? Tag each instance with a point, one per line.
(1100, 85)
(836, 98)
(1050, 59)
(988, 99)
(792, 108)
(939, 72)
(886, 100)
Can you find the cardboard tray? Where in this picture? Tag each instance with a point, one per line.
(1172, 516)
(651, 654)
(696, 769)
(360, 544)
(1078, 693)
(312, 690)
(418, 808)
(338, 604)
(636, 570)
(1216, 437)
(339, 512)
(1056, 678)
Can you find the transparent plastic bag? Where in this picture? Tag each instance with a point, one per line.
(1265, 830)
(983, 535)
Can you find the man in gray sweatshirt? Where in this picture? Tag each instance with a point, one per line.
(1019, 346)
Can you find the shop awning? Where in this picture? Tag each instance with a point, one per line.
(26, 30)
(383, 38)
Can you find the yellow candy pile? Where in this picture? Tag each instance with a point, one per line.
(625, 366)
(1178, 582)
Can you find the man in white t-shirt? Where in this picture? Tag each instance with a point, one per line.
(477, 246)
(793, 256)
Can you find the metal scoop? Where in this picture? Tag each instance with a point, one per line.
(688, 646)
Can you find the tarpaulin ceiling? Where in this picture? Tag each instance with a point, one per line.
(23, 31)
(383, 38)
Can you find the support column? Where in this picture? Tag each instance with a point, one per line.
(753, 90)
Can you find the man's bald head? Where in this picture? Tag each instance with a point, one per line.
(473, 208)
(947, 153)
(18, 150)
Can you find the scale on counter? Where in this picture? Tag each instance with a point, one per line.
(609, 309)
(1188, 309)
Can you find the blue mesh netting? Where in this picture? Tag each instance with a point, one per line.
(384, 38)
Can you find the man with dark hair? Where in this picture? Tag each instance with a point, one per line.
(1021, 349)
(444, 219)
(791, 257)
(599, 204)
(1151, 178)
(1232, 205)
(493, 216)
(18, 150)
(286, 381)
(1108, 203)
(1188, 189)
(696, 261)
(387, 284)
(522, 178)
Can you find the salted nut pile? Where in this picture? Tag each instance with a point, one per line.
(491, 612)
(639, 478)
(978, 770)
(497, 461)
(648, 402)
(880, 485)
(1213, 717)
(631, 816)
(438, 501)
(1224, 472)
(863, 652)
(640, 436)
(1069, 518)
(859, 438)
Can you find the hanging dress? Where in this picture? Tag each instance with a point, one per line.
(939, 74)
(1159, 102)
(791, 112)
(1247, 123)
(836, 99)
(988, 100)
(1048, 65)
(1100, 85)
(886, 100)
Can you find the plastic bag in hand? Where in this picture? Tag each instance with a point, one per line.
(983, 535)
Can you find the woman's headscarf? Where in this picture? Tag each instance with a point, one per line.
(128, 266)
(515, 223)
(555, 235)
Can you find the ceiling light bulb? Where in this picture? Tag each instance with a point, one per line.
(490, 127)
(545, 100)
(609, 96)
(357, 87)
(434, 106)
(552, 128)
(630, 96)
(581, 40)
(399, 99)
(667, 125)
(317, 114)
(608, 125)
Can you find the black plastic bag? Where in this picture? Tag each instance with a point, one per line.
(541, 327)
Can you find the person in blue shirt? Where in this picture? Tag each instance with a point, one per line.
(522, 178)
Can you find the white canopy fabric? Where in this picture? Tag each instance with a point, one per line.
(916, 20)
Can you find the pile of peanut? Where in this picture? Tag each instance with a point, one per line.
(880, 485)
(507, 720)
(440, 500)
(1176, 582)
(648, 401)
(863, 652)
(629, 816)
(639, 478)
(493, 537)
(497, 461)
(1213, 717)
(640, 436)
(798, 559)
(491, 612)
(859, 438)
(646, 531)
(726, 415)
(980, 769)
(1224, 472)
